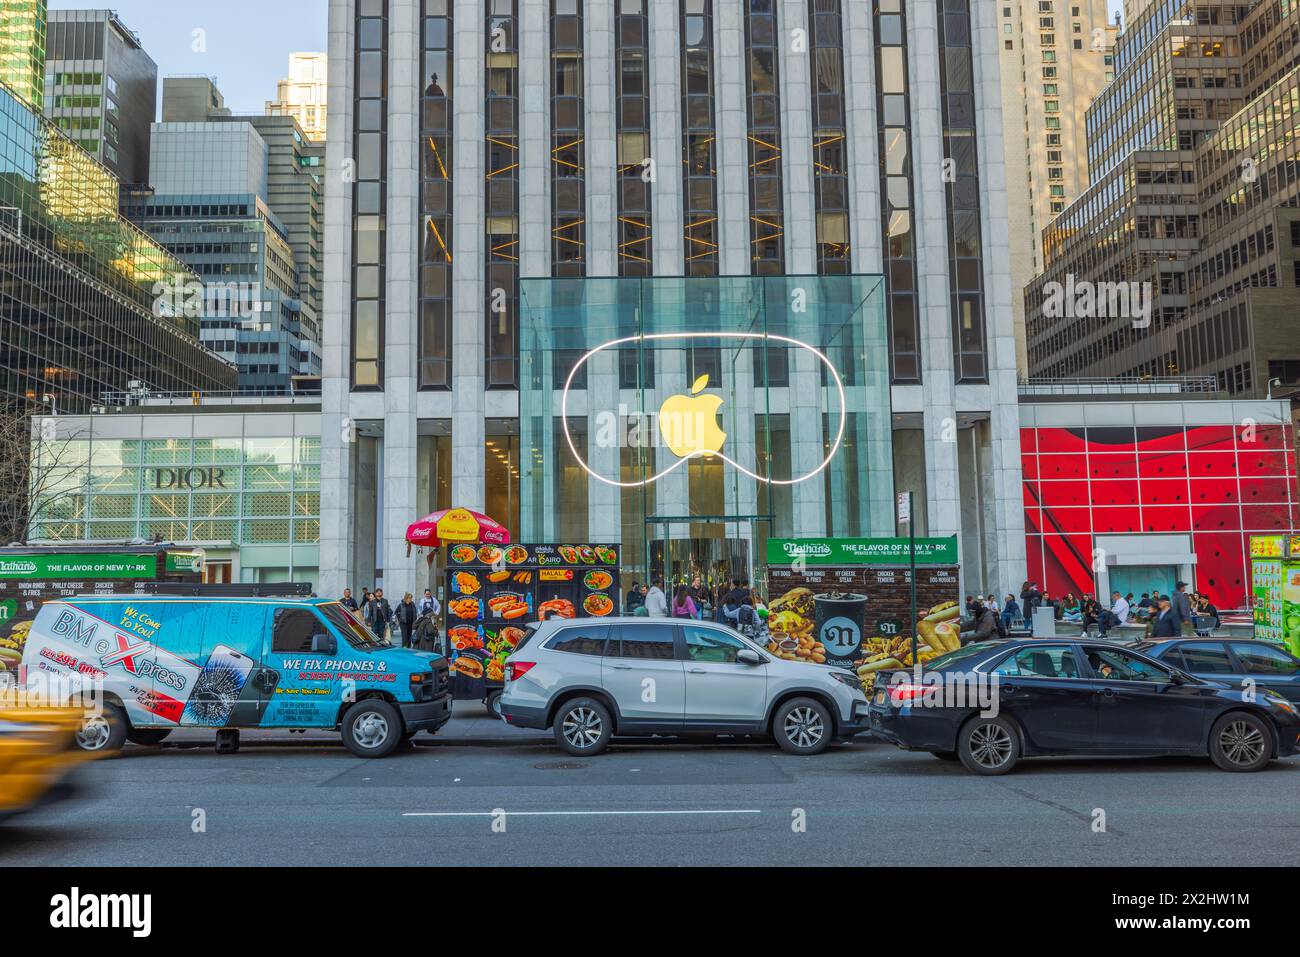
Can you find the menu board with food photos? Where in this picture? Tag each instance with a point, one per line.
(493, 591)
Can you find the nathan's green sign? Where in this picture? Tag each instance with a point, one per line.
(860, 551)
(75, 566)
(184, 562)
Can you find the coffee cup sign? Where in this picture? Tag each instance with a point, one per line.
(189, 478)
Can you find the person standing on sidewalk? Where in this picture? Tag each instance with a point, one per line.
(684, 604)
(635, 599)
(1182, 606)
(656, 602)
(347, 601)
(405, 617)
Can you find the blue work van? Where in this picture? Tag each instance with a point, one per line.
(161, 663)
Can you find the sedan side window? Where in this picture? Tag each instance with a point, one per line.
(1040, 661)
(711, 644)
(1263, 660)
(1205, 659)
(1112, 665)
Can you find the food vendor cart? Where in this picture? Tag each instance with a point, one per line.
(494, 591)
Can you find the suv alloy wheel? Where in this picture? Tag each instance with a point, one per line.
(802, 726)
(583, 726)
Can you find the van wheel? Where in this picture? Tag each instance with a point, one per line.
(372, 728)
(105, 732)
(988, 745)
(147, 736)
(1241, 742)
(583, 726)
(802, 726)
(493, 704)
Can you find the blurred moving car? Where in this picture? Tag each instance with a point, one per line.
(1233, 661)
(592, 679)
(38, 752)
(1055, 697)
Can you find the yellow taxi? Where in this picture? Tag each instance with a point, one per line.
(38, 753)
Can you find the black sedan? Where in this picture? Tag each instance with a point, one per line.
(1241, 662)
(991, 703)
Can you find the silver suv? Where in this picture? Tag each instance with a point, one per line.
(592, 679)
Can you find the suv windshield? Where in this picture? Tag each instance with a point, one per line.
(352, 628)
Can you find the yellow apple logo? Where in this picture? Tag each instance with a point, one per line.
(688, 424)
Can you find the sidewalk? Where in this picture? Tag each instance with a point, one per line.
(470, 724)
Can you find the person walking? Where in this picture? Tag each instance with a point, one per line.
(1166, 623)
(656, 602)
(429, 605)
(405, 616)
(347, 601)
(1182, 606)
(683, 604)
(381, 613)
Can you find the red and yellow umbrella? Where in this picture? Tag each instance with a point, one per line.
(457, 525)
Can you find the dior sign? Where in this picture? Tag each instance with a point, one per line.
(191, 478)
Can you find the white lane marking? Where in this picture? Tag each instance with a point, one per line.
(572, 813)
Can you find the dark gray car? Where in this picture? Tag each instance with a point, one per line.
(1233, 660)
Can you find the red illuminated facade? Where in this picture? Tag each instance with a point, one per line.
(1218, 484)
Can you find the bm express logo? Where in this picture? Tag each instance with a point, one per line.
(687, 422)
(189, 478)
(134, 653)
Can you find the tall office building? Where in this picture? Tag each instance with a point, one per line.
(1056, 56)
(302, 94)
(22, 49)
(101, 88)
(294, 191)
(549, 220)
(1186, 243)
(87, 304)
(207, 203)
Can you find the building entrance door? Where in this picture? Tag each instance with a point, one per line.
(1140, 579)
(715, 548)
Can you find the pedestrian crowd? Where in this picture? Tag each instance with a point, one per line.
(736, 603)
(414, 622)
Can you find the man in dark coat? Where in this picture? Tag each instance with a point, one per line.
(1166, 623)
(1182, 606)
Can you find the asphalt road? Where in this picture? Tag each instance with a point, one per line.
(305, 800)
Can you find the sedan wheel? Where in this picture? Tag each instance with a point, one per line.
(1241, 742)
(989, 746)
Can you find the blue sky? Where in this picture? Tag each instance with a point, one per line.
(248, 42)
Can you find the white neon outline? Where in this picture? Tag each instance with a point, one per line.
(835, 446)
